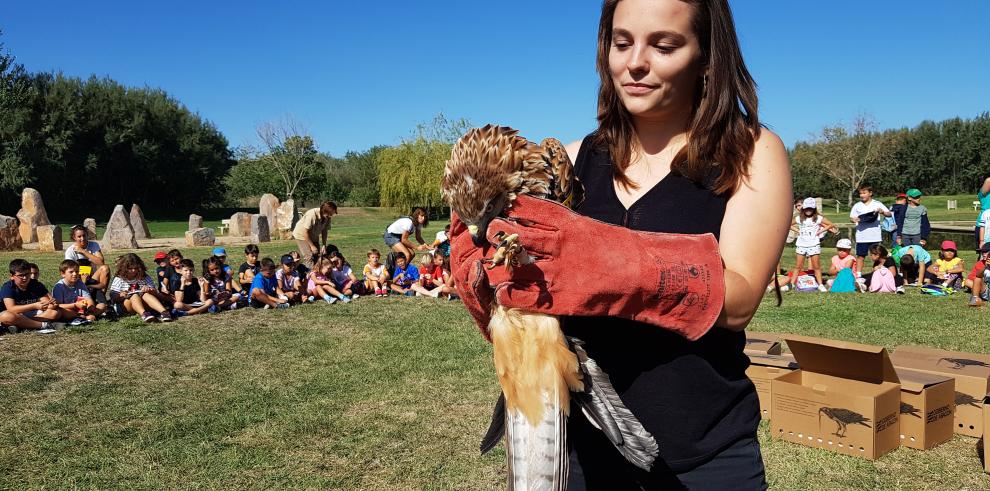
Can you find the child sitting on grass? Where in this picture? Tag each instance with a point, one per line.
(404, 277)
(978, 280)
(74, 298)
(264, 288)
(440, 277)
(191, 294)
(319, 284)
(301, 268)
(344, 282)
(132, 291)
(375, 274)
(248, 270)
(289, 285)
(884, 278)
(948, 268)
(218, 285)
(26, 302)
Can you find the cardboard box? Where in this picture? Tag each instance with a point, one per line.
(927, 404)
(762, 342)
(981, 446)
(762, 369)
(972, 374)
(845, 397)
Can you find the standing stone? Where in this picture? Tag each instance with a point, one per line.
(49, 238)
(285, 219)
(119, 233)
(200, 237)
(195, 221)
(240, 224)
(10, 234)
(138, 224)
(259, 229)
(32, 214)
(90, 224)
(268, 206)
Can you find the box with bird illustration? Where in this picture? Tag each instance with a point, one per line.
(927, 402)
(762, 342)
(844, 398)
(762, 369)
(971, 372)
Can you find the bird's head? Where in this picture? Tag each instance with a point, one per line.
(487, 168)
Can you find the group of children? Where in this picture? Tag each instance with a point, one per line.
(88, 290)
(906, 263)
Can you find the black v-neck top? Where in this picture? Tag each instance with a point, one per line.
(693, 397)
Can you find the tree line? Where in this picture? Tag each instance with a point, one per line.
(943, 157)
(88, 145)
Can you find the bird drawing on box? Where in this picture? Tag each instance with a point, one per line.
(911, 410)
(959, 363)
(843, 418)
(538, 368)
(967, 400)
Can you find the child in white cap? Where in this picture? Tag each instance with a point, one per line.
(811, 227)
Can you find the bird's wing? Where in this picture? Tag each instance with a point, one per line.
(602, 405)
(496, 428)
(566, 188)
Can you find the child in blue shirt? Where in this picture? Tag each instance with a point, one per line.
(264, 286)
(26, 303)
(404, 276)
(73, 296)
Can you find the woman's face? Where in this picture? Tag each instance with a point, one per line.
(655, 58)
(79, 237)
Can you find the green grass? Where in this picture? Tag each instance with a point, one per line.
(377, 394)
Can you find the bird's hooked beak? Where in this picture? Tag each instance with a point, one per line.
(478, 233)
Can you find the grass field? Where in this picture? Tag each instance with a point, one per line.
(377, 394)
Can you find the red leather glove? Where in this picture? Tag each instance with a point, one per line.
(470, 278)
(584, 267)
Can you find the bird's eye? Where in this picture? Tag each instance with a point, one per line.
(490, 207)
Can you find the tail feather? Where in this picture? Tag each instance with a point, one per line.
(605, 409)
(537, 455)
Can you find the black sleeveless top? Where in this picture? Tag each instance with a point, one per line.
(693, 397)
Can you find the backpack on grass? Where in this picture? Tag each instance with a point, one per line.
(844, 282)
(936, 290)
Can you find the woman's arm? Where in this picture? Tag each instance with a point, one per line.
(750, 248)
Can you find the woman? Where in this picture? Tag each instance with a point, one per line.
(93, 270)
(313, 226)
(678, 149)
(397, 234)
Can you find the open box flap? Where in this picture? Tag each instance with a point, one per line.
(780, 361)
(915, 381)
(843, 359)
(762, 342)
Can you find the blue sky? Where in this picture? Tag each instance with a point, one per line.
(359, 74)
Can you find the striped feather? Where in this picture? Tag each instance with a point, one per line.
(537, 455)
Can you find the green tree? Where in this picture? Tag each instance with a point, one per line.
(290, 152)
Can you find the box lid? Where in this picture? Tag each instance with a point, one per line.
(954, 362)
(762, 342)
(863, 362)
(781, 361)
(915, 381)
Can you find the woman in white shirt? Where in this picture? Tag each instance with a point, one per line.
(397, 234)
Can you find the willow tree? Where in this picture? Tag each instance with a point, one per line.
(409, 174)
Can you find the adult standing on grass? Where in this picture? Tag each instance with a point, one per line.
(312, 227)
(679, 149)
(983, 195)
(397, 234)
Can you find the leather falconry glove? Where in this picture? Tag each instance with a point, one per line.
(584, 267)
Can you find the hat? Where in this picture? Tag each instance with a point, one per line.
(985, 248)
(914, 193)
(809, 203)
(160, 255)
(219, 251)
(948, 245)
(901, 195)
(287, 259)
(844, 244)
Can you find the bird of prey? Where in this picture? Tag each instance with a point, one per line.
(959, 363)
(967, 400)
(537, 367)
(844, 418)
(909, 409)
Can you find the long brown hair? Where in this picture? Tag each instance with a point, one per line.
(724, 124)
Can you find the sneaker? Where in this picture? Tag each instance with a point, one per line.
(166, 316)
(147, 317)
(310, 298)
(330, 300)
(176, 313)
(355, 296)
(50, 327)
(80, 321)
(345, 299)
(11, 329)
(784, 288)
(378, 292)
(900, 290)
(822, 288)
(975, 301)
(214, 309)
(282, 306)
(233, 305)
(266, 307)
